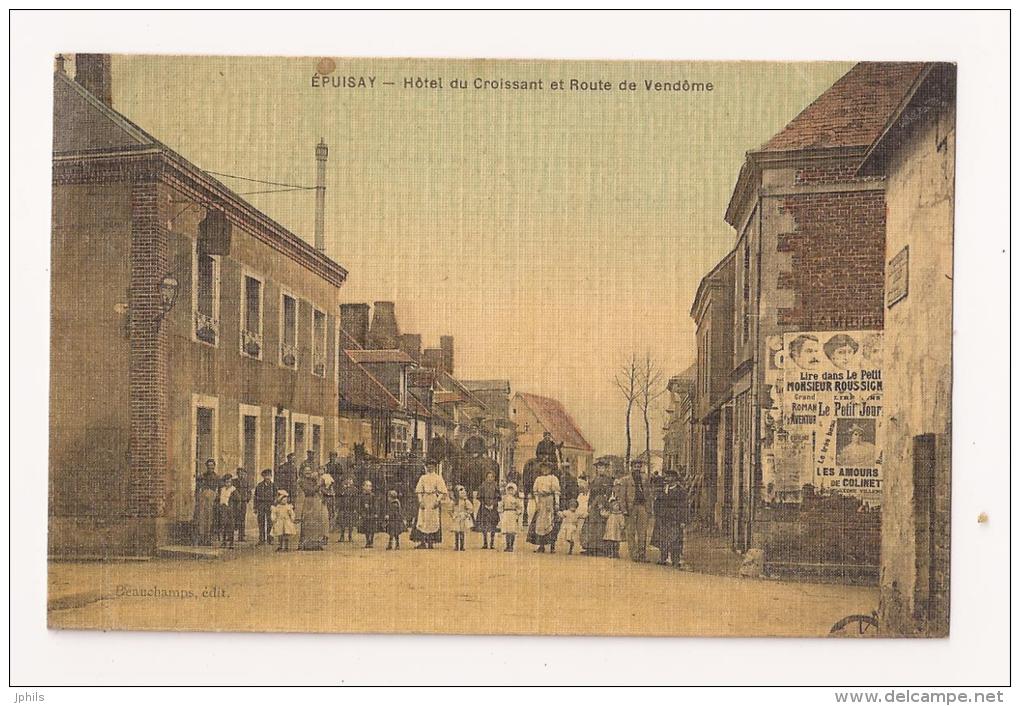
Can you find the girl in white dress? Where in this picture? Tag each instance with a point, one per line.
(510, 508)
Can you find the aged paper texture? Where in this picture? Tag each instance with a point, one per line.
(501, 347)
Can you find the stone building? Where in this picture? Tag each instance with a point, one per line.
(809, 259)
(712, 442)
(378, 388)
(534, 415)
(186, 325)
(678, 430)
(916, 153)
(496, 426)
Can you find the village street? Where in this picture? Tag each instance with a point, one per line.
(350, 589)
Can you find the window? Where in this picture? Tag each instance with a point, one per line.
(746, 333)
(288, 331)
(319, 343)
(251, 316)
(206, 300)
(249, 431)
(204, 436)
(280, 440)
(316, 445)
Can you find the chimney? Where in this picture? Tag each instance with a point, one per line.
(432, 358)
(92, 71)
(354, 321)
(446, 345)
(384, 332)
(410, 343)
(321, 152)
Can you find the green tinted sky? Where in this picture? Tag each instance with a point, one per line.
(551, 232)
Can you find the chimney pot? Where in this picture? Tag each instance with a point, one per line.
(446, 345)
(321, 152)
(384, 333)
(354, 322)
(410, 343)
(92, 72)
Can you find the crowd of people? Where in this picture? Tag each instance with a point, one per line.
(553, 508)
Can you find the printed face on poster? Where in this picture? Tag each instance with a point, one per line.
(828, 386)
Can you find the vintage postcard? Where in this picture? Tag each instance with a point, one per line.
(501, 346)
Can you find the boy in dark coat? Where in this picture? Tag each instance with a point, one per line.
(265, 495)
(368, 513)
(393, 520)
(347, 509)
(670, 512)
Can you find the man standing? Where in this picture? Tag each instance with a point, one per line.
(206, 488)
(670, 518)
(265, 495)
(286, 476)
(635, 503)
(546, 450)
(594, 527)
(243, 484)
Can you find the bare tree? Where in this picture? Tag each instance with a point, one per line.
(627, 381)
(650, 388)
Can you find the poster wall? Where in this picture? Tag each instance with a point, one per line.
(826, 413)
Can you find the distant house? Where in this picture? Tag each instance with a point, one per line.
(497, 427)
(534, 415)
(375, 384)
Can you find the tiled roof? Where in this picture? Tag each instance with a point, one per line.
(358, 388)
(480, 385)
(555, 420)
(421, 377)
(852, 112)
(379, 356)
(85, 126)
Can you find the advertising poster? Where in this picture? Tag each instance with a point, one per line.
(832, 405)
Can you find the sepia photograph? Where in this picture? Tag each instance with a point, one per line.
(394, 348)
(343, 310)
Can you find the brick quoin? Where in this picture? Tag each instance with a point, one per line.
(837, 257)
(149, 255)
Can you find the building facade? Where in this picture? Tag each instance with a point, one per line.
(678, 431)
(186, 326)
(917, 156)
(534, 415)
(809, 266)
(712, 312)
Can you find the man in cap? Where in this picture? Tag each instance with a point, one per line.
(670, 517)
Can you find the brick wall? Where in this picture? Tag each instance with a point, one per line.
(148, 356)
(837, 265)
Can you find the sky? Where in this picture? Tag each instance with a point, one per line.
(553, 233)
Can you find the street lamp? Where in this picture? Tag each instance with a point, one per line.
(168, 288)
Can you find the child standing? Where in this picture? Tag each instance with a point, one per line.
(284, 525)
(368, 514)
(462, 518)
(510, 509)
(393, 520)
(583, 493)
(347, 513)
(227, 502)
(614, 526)
(487, 517)
(569, 527)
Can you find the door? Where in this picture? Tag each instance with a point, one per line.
(279, 441)
(249, 451)
(204, 448)
(300, 441)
